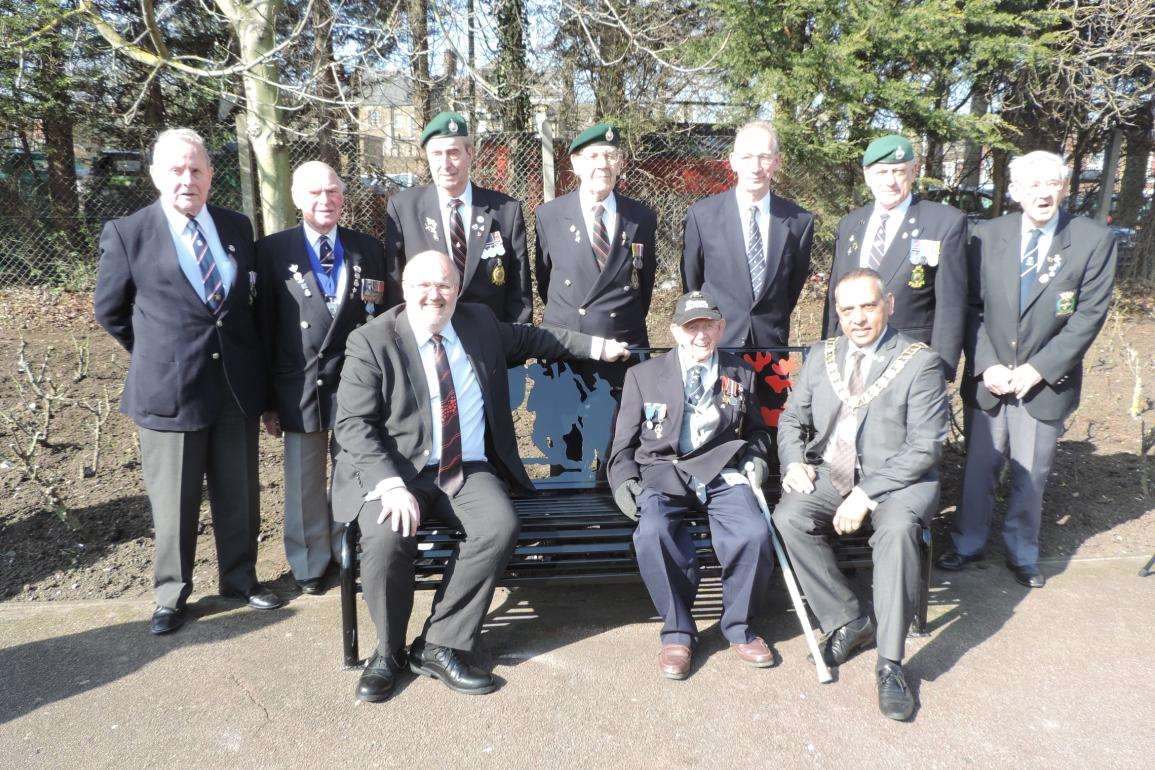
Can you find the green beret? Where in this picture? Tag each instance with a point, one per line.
(892, 148)
(602, 133)
(451, 124)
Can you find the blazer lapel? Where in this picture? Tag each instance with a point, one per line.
(883, 355)
(348, 302)
(731, 221)
(315, 301)
(899, 249)
(169, 262)
(1005, 262)
(675, 397)
(472, 344)
(850, 257)
(619, 250)
(476, 233)
(776, 235)
(429, 211)
(414, 370)
(1060, 243)
(576, 237)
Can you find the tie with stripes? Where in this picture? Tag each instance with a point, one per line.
(210, 277)
(694, 389)
(878, 248)
(457, 234)
(1029, 268)
(326, 252)
(756, 254)
(844, 453)
(450, 475)
(601, 237)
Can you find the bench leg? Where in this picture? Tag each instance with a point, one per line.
(349, 595)
(918, 626)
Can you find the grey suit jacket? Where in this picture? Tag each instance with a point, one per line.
(935, 312)
(1061, 319)
(384, 423)
(900, 433)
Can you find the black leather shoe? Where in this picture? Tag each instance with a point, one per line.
(845, 641)
(312, 586)
(953, 561)
(1029, 576)
(259, 598)
(379, 677)
(445, 663)
(895, 700)
(165, 620)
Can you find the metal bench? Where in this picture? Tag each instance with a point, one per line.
(571, 530)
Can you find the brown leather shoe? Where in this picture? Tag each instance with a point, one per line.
(674, 661)
(754, 653)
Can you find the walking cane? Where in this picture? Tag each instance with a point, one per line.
(792, 587)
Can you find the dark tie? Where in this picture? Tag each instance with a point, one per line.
(450, 475)
(326, 252)
(457, 235)
(756, 254)
(601, 237)
(210, 276)
(843, 454)
(1029, 268)
(694, 389)
(878, 248)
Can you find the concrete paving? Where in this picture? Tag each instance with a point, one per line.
(1060, 677)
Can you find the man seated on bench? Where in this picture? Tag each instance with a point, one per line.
(875, 403)
(425, 429)
(688, 422)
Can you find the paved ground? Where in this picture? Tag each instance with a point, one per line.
(1054, 678)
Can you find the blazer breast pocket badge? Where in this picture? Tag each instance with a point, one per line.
(1065, 303)
(655, 417)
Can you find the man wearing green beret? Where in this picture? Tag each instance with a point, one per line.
(595, 257)
(916, 245)
(482, 230)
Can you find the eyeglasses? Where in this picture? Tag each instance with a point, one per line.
(764, 159)
(1050, 185)
(424, 288)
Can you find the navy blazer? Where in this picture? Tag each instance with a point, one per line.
(934, 309)
(305, 345)
(714, 261)
(183, 360)
(501, 280)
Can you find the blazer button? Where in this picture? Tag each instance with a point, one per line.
(320, 383)
(304, 324)
(1014, 343)
(216, 356)
(426, 453)
(581, 311)
(220, 323)
(613, 315)
(674, 461)
(568, 282)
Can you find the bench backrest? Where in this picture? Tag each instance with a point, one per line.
(571, 413)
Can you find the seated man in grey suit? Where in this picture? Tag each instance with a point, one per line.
(425, 429)
(875, 402)
(688, 422)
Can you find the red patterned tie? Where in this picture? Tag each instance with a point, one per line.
(844, 452)
(450, 475)
(601, 237)
(457, 235)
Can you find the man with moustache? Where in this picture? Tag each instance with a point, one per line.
(1045, 284)
(318, 282)
(425, 429)
(689, 425)
(749, 248)
(175, 288)
(917, 246)
(482, 230)
(861, 437)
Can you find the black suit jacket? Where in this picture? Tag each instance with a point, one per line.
(611, 303)
(383, 416)
(639, 452)
(1043, 334)
(936, 311)
(184, 360)
(305, 345)
(501, 281)
(714, 261)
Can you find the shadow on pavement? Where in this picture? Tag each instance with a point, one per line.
(39, 673)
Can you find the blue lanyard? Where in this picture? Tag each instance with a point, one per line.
(327, 280)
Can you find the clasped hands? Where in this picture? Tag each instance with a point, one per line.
(799, 478)
(1005, 380)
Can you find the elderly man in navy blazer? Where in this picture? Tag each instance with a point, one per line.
(687, 428)
(176, 288)
(318, 282)
(749, 248)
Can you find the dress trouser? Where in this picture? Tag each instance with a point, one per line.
(312, 538)
(1031, 443)
(175, 465)
(805, 523)
(669, 564)
(482, 510)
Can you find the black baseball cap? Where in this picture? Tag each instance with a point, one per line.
(694, 305)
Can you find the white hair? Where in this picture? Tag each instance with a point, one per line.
(313, 166)
(1021, 165)
(181, 136)
(759, 125)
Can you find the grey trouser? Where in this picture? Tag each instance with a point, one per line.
(312, 538)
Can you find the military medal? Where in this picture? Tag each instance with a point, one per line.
(636, 252)
(497, 274)
(355, 289)
(917, 277)
(372, 290)
(655, 416)
(731, 392)
(300, 279)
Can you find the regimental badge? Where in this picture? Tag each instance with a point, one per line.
(295, 274)
(232, 249)
(497, 273)
(1064, 303)
(372, 291)
(899, 153)
(577, 238)
(655, 416)
(452, 126)
(609, 134)
(1047, 272)
(917, 277)
(431, 228)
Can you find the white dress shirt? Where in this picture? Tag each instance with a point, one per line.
(466, 198)
(763, 220)
(182, 239)
(1045, 239)
(609, 216)
(470, 402)
(894, 219)
(314, 237)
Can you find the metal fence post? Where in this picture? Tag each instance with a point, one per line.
(545, 133)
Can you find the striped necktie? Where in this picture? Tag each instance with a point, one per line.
(325, 250)
(457, 234)
(878, 248)
(214, 295)
(601, 237)
(842, 455)
(694, 388)
(756, 254)
(1029, 268)
(450, 475)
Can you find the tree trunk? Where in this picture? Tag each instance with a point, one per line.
(971, 175)
(418, 12)
(1001, 180)
(512, 76)
(57, 125)
(1138, 157)
(324, 71)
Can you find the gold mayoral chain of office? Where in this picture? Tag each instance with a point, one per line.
(876, 387)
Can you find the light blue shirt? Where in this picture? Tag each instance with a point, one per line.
(182, 238)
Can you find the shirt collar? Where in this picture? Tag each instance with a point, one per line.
(312, 236)
(587, 201)
(686, 363)
(179, 222)
(1048, 229)
(895, 214)
(466, 197)
(448, 335)
(763, 204)
(870, 349)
